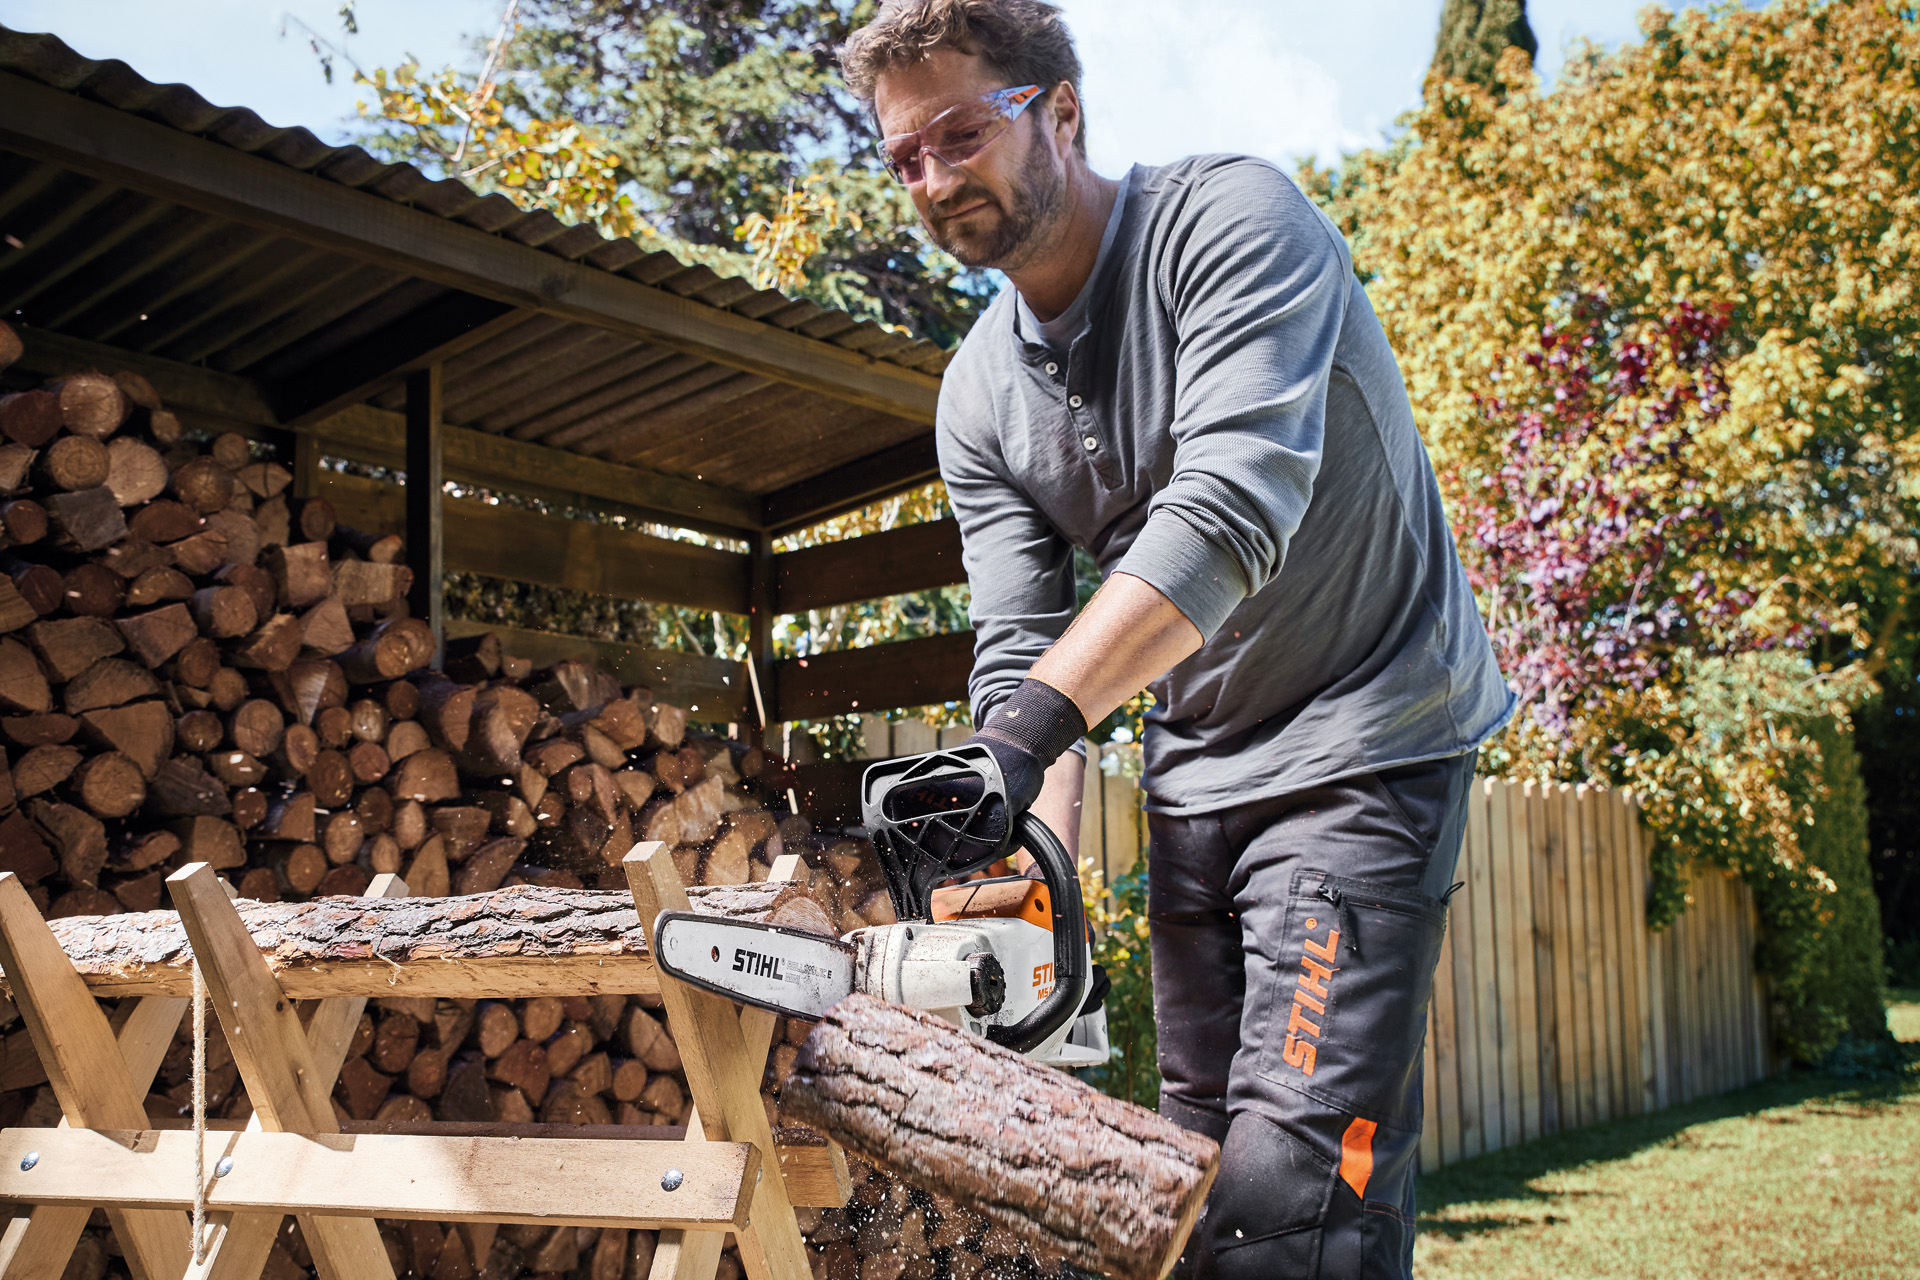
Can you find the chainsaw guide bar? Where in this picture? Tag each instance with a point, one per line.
(787, 971)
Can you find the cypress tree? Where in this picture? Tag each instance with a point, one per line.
(1473, 35)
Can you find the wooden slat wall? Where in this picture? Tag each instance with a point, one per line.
(1554, 1006)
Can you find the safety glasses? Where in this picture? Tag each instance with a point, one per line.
(957, 134)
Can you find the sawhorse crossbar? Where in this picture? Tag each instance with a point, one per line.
(728, 1175)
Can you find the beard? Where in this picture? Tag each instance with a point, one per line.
(1005, 243)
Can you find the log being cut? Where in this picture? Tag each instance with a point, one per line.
(1072, 1173)
(571, 940)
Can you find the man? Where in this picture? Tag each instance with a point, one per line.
(1186, 380)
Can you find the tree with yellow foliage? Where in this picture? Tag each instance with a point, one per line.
(1659, 327)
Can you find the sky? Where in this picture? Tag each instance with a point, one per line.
(1284, 79)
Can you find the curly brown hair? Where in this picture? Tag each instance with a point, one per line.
(1025, 41)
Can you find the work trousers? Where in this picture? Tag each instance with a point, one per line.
(1294, 944)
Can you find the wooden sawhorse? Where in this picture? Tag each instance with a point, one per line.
(727, 1176)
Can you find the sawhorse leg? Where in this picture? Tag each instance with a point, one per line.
(101, 1083)
(723, 1077)
(288, 1067)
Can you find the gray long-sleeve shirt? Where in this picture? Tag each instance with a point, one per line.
(1231, 427)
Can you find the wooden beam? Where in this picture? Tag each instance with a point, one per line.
(713, 690)
(351, 1178)
(367, 434)
(525, 546)
(428, 336)
(916, 557)
(116, 146)
(362, 433)
(878, 677)
(876, 476)
(426, 532)
(763, 605)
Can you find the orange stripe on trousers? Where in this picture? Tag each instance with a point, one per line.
(1356, 1155)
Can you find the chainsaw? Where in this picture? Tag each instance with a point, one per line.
(1006, 958)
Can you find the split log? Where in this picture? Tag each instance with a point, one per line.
(157, 585)
(301, 572)
(1065, 1169)
(44, 768)
(77, 838)
(302, 866)
(39, 731)
(502, 718)
(91, 405)
(110, 785)
(30, 418)
(75, 462)
(141, 731)
(223, 612)
(93, 591)
(325, 628)
(88, 519)
(252, 579)
(165, 521)
(23, 685)
(135, 472)
(396, 648)
(273, 647)
(15, 611)
(70, 646)
(159, 634)
(24, 521)
(110, 682)
(39, 585)
(203, 485)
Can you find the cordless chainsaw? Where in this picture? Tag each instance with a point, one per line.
(1006, 958)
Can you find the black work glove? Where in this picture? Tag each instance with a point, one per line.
(1026, 734)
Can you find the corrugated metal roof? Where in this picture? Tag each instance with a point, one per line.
(47, 59)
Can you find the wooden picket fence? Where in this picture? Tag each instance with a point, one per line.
(1554, 1006)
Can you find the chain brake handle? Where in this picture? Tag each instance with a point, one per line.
(916, 854)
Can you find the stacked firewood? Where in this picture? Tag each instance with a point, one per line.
(195, 665)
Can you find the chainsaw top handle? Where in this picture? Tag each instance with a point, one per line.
(942, 816)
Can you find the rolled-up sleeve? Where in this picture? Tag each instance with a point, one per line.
(1019, 567)
(1257, 284)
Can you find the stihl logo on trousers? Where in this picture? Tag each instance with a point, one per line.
(1310, 997)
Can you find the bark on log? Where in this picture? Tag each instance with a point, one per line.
(1065, 1169)
(419, 942)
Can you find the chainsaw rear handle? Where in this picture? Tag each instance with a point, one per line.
(1069, 940)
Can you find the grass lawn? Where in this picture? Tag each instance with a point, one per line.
(1802, 1176)
(1903, 1013)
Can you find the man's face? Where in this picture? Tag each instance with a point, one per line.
(984, 212)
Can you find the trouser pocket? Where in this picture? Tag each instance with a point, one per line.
(1347, 1002)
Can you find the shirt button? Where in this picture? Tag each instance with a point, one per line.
(1092, 443)
(1052, 368)
(1075, 402)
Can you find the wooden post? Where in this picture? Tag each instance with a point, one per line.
(306, 465)
(426, 535)
(762, 607)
